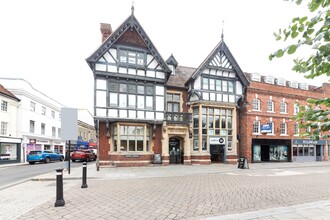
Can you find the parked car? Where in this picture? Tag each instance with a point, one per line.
(83, 155)
(43, 156)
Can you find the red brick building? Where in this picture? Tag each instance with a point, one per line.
(268, 131)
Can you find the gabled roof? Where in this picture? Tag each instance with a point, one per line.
(172, 61)
(7, 93)
(131, 23)
(220, 48)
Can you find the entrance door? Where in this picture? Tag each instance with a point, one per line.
(217, 153)
(264, 152)
(174, 151)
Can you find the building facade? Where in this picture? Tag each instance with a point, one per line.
(268, 131)
(38, 118)
(149, 110)
(10, 142)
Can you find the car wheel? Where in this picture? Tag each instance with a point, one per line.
(47, 160)
(62, 158)
(32, 162)
(73, 160)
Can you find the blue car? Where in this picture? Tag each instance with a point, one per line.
(43, 156)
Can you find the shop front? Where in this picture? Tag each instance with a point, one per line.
(10, 150)
(308, 150)
(271, 150)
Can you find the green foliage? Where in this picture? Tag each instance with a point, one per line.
(313, 32)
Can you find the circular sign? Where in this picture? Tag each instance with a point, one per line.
(221, 140)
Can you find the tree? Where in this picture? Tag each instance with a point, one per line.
(313, 32)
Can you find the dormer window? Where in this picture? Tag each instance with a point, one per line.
(269, 79)
(293, 84)
(172, 68)
(131, 57)
(255, 77)
(303, 86)
(280, 82)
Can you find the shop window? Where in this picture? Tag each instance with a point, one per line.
(294, 151)
(8, 151)
(132, 138)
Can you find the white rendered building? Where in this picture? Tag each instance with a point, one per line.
(38, 118)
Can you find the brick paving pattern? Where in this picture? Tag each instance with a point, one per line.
(197, 196)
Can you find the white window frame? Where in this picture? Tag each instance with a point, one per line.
(295, 109)
(32, 106)
(283, 108)
(273, 125)
(256, 127)
(43, 110)
(270, 106)
(283, 128)
(4, 106)
(4, 128)
(296, 130)
(256, 105)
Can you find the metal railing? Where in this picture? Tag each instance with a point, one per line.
(178, 117)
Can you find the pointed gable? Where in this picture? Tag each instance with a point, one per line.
(220, 59)
(132, 33)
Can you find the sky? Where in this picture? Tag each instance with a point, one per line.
(46, 42)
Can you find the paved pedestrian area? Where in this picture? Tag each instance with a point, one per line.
(268, 191)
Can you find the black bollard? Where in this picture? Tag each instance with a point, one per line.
(84, 176)
(59, 188)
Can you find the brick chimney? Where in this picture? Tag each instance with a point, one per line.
(106, 30)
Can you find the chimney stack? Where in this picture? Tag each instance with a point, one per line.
(106, 31)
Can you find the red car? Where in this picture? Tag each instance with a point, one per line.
(83, 155)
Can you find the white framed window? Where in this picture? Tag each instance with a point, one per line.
(53, 132)
(295, 109)
(272, 125)
(283, 128)
(269, 79)
(270, 106)
(32, 124)
(59, 132)
(283, 107)
(43, 110)
(32, 106)
(280, 82)
(256, 127)
(256, 105)
(293, 84)
(131, 57)
(53, 114)
(256, 77)
(43, 128)
(296, 129)
(4, 128)
(4, 105)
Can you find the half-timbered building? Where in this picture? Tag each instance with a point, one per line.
(150, 110)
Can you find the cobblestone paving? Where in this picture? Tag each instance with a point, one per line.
(183, 197)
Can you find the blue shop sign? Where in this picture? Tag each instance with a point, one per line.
(267, 128)
(308, 141)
